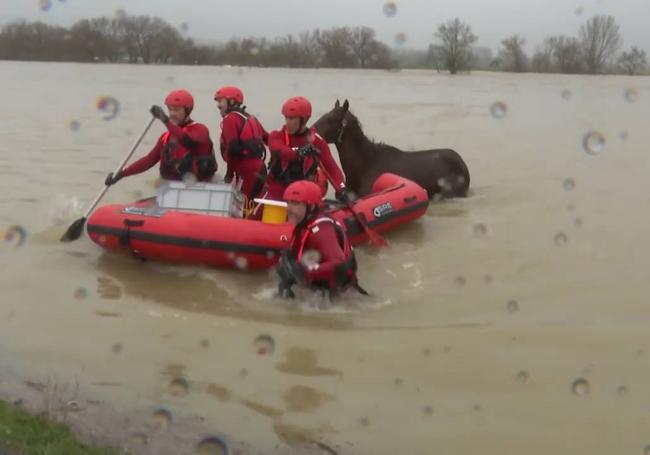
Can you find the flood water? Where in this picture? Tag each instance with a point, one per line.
(485, 311)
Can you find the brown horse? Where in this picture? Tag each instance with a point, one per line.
(442, 172)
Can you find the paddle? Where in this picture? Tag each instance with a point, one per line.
(375, 239)
(76, 228)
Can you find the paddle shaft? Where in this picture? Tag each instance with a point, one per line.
(373, 236)
(119, 168)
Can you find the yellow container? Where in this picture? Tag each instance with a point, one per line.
(274, 212)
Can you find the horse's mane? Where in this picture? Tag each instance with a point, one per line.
(372, 141)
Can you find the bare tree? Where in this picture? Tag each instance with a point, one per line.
(568, 55)
(147, 39)
(97, 39)
(456, 39)
(362, 43)
(336, 48)
(310, 50)
(634, 61)
(542, 61)
(513, 54)
(600, 40)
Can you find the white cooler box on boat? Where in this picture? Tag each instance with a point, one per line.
(219, 199)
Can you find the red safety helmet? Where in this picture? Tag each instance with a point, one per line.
(297, 106)
(303, 191)
(230, 93)
(181, 98)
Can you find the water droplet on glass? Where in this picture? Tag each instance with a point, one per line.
(241, 263)
(594, 142)
(460, 281)
(427, 410)
(561, 239)
(310, 258)
(398, 381)
(622, 390)
(522, 377)
(109, 106)
(117, 348)
(578, 221)
(579, 10)
(487, 279)
(178, 387)
(74, 125)
(446, 349)
(390, 9)
(243, 372)
(120, 13)
(498, 109)
(566, 94)
(569, 184)
(161, 419)
(426, 352)
(624, 135)
(81, 294)
(45, 5)
(205, 343)
(184, 28)
(580, 387)
(364, 421)
(400, 39)
(477, 407)
(212, 446)
(480, 230)
(264, 345)
(512, 306)
(15, 236)
(631, 95)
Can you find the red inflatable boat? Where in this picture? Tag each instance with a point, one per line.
(190, 235)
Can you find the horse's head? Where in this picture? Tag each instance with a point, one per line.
(332, 124)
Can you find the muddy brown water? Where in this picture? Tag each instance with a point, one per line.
(484, 312)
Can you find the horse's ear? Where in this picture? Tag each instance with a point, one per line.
(337, 104)
(346, 106)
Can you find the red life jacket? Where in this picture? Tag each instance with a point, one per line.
(295, 170)
(345, 274)
(251, 138)
(176, 160)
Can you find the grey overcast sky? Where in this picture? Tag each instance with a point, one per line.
(493, 20)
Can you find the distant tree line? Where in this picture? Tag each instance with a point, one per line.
(145, 39)
(594, 51)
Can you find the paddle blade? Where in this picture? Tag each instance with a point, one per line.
(74, 231)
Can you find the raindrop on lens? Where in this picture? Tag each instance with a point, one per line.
(480, 230)
(631, 95)
(364, 421)
(578, 221)
(390, 9)
(81, 294)
(264, 345)
(108, 106)
(398, 381)
(561, 239)
(427, 410)
(15, 236)
(566, 94)
(212, 446)
(512, 306)
(522, 377)
(241, 263)
(74, 125)
(178, 387)
(594, 142)
(44, 5)
(499, 109)
(184, 27)
(579, 10)
(310, 258)
(622, 390)
(117, 348)
(255, 50)
(569, 184)
(460, 281)
(488, 279)
(624, 135)
(400, 39)
(580, 387)
(161, 418)
(205, 344)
